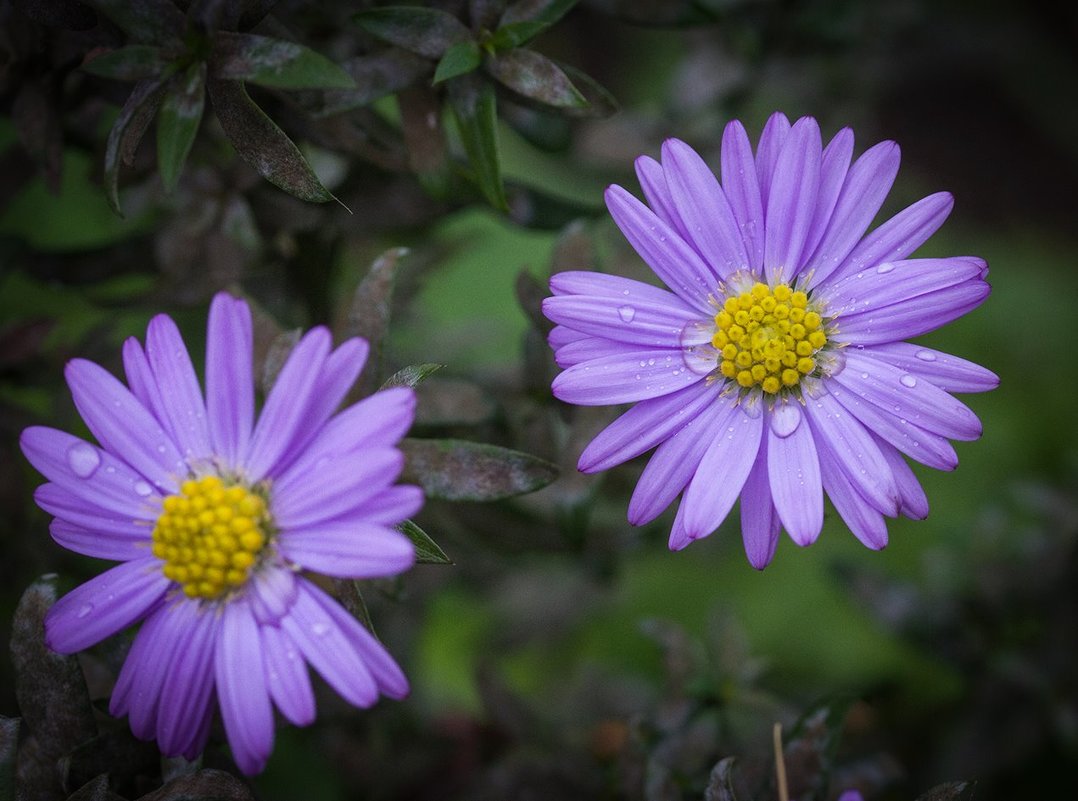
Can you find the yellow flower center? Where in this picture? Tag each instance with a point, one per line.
(209, 535)
(768, 337)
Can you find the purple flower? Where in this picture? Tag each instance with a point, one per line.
(774, 368)
(213, 516)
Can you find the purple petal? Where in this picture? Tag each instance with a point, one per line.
(287, 679)
(896, 391)
(722, 472)
(560, 336)
(644, 426)
(914, 317)
(853, 449)
(390, 506)
(760, 524)
(141, 380)
(896, 282)
(791, 200)
(104, 605)
(793, 470)
(913, 501)
(586, 282)
(624, 378)
(101, 544)
(650, 324)
(702, 205)
(61, 503)
(123, 425)
(285, 415)
(142, 678)
(949, 373)
(590, 348)
(772, 140)
(742, 188)
(834, 165)
(677, 264)
(89, 473)
(349, 549)
(866, 186)
(679, 535)
(230, 398)
(241, 688)
(866, 523)
(271, 593)
(657, 193)
(340, 484)
(188, 685)
(319, 636)
(184, 411)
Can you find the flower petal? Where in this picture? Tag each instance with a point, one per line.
(866, 523)
(949, 373)
(241, 688)
(138, 687)
(181, 397)
(902, 281)
(742, 188)
(834, 165)
(668, 255)
(648, 324)
(100, 544)
(560, 335)
(793, 470)
(644, 426)
(915, 317)
(760, 524)
(624, 378)
(230, 399)
(71, 509)
(652, 179)
(287, 679)
(590, 348)
(271, 593)
(141, 380)
(189, 681)
(389, 506)
(586, 282)
(776, 129)
(104, 605)
(791, 200)
(349, 549)
(912, 497)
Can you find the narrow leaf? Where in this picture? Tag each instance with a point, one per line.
(515, 35)
(426, 31)
(369, 311)
(457, 470)
(375, 76)
(599, 101)
(349, 593)
(948, 791)
(177, 123)
(543, 211)
(474, 109)
(460, 58)
(411, 375)
(276, 356)
(131, 63)
(535, 76)
(127, 132)
(421, 124)
(427, 551)
(720, 786)
(147, 21)
(274, 63)
(546, 12)
(262, 144)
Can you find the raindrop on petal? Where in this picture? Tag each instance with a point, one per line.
(926, 355)
(908, 381)
(885, 268)
(84, 610)
(785, 418)
(83, 459)
(627, 313)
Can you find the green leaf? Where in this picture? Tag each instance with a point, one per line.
(545, 12)
(543, 211)
(262, 144)
(131, 63)
(147, 21)
(274, 63)
(460, 58)
(475, 111)
(457, 470)
(535, 76)
(427, 551)
(426, 31)
(178, 121)
(368, 313)
(127, 132)
(375, 75)
(599, 101)
(411, 375)
(515, 34)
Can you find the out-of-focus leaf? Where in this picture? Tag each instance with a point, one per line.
(474, 108)
(277, 355)
(274, 63)
(350, 594)
(9, 747)
(127, 132)
(599, 101)
(546, 12)
(427, 551)
(461, 57)
(535, 76)
(452, 401)
(369, 311)
(411, 375)
(720, 786)
(65, 14)
(426, 31)
(535, 209)
(116, 752)
(202, 786)
(147, 21)
(35, 113)
(421, 123)
(811, 747)
(97, 789)
(574, 249)
(949, 791)
(531, 292)
(545, 128)
(178, 121)
(131, 63)
(262, 144)
(458, 470)
(375, 75)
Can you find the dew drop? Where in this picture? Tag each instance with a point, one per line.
(864, 376)
(651, 362)
(142, 488)
(161, 448)
(627, 313)
(785, 419)
(84, 610)
(83, 459)
(925, 355)
(908, 381)
(320, 629)
(883, 269)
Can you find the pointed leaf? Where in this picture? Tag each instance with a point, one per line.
(460, 58)
(599, 101)
(262, 144)
(349, 593)
(535, 76)
(428, 151)
(131, 63)
(274, 63)
(457, 470)
(720, 786)
(177, 123)
(426, 31)
(276, 356)
(411, 375)
(205, 784)
(546, 12)
(949, 791)
(474, 109)
(533, 208)
(147, 21)
(97, 789)
(427, 551)
(375, 75)
(127, 132)
(368, 314)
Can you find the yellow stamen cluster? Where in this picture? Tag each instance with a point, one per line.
(768, 337)
(209, 535)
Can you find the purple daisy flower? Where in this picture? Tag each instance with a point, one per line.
(213, 516)
(774, 368)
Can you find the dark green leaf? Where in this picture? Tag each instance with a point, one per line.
(9, 747)
(457, 470)
(131, 63)
(147, 21)
(274, 63)
(546, 12)
(426, 31)
(720, 786)
(949, 791)
(427, 551)
(534, 209)
(515, 34)
(452, 402)
(375, 75)
(97, 789)
(535, 76)
(348, 592)
(599, 101)
(812, 745)
(531, 292)
(276, 356)
(421, 124)
(460, 58)
(368, 313)
(411, 375)
(485, 13)
(475, 110)
(127, 132)
(206, 784)
(262, 144)
(116, 752)
(178, 121)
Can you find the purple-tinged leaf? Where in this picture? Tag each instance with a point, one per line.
(131, 63)
(457, 470)
(546, 12)
(375, 76)
(720, 786)
(36, 116)
(274, 63)
(97, 789)
(426, 31)
(535, 76)
(427, 551)
(411, 375)
(68, 15)
(178, 121)
(475, 110)
(421, 123)
(949, 791)
(369, 311)
(146, 21)
(599, 101)
(460, 58)
(127, 132)
(262, 144)
(205, 784)
(280, 348)
(9, 748)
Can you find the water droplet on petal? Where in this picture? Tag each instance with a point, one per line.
(785, 418)
(908, 381)
(883, 269)
(142, 488)
(83, 459)
(84, 610)
(320, 629)
(925, 355)
(627, 313)
(864, 376)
